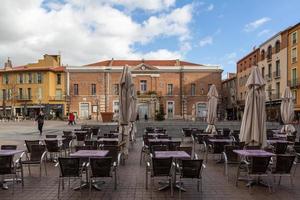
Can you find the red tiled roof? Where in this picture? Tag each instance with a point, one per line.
(137, 62)
(25, 68)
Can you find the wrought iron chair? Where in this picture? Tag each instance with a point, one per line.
(69, 168)
(190, 169)
(283, 166)
(159, 167)
(7, 167)
(101, 168)
(37, 157)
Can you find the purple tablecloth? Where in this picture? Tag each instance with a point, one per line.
(10, 152)
(221, 140)
(280, 141)
(163, 140)
(89, 153)
(256, 153)
(172, 154)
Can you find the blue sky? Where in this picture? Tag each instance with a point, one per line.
(207, 32)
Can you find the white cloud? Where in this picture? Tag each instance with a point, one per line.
(206, 41)
(210, 7)
(263, 32)
(88, 32)
(256, 24)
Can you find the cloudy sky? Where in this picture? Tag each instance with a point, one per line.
(83, 32)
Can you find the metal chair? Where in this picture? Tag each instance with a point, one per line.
(159, 167)
(67, 144)
(190, 169)
(29, 143)
(69, 168)
(280, 147)
(145, 148)
(230, 157)
(37, 156)
(67, 133)
(7, 167)
(226, 132)
(53, 148)
(215, 148)
(173, 145)
(256, 168)
(101, 168)
(284, 164)
(51, 136)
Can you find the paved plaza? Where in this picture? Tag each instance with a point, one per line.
(131, 177)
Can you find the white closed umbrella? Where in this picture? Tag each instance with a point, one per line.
(287, 111)
(212, 109)
(124, 110)
(253, 127)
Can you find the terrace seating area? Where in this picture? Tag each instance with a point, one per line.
(89, 164)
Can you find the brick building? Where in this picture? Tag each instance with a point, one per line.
(229, 96)
(179, 86)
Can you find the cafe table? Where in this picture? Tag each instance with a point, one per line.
(87, 154)
(176, 155)
(9, 153)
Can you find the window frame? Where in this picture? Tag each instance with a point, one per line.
(76, 89)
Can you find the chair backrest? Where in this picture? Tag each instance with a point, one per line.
(259, 165)
(161, 166)
(113, 152)
(93, 143)
(188, 150)
(29, 143)
(67, 133)
(291, 138)
(146, 139)
(173, 146)
(6, 165)
(81, 136)
(231, 156)
(270, 134)
(37, 152)
(149, 129)
(163, 137)
(191, 168)
(284, 164)
(8, 147)
(187, 132)
(66, 141)
(280, 147)
(218, 147)
(154, 148)
(297, 147)
(95, 131)
(240, 145)
(252, 147)
(101, 167)
(51, 136)
(86, 147)
(69, 167)
(226, 131)
(52, 145)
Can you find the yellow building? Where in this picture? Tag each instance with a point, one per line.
(293, 57)
(24, 90)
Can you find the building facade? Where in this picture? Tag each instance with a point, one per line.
(229, 98)
(25, 90)
(243, 71)
(273, 66)
(179, 87)
(293, 63)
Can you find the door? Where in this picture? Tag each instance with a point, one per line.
(143, 111)
(201, 110)
(170, 109)
(84, 110)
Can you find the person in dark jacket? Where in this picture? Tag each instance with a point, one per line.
(40, 120)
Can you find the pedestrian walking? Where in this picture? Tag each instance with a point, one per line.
(40, 120)
(72, 118)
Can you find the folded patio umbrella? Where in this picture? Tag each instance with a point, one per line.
(212, 109)
(133, 108)
(253, 127)
(287, 111)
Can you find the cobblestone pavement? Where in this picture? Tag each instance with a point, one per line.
(132, 182)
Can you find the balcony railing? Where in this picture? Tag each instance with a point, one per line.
(56, 98)
(276, 74)
(24, 98)
(294, 83)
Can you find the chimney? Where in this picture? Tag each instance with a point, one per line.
(111, 62)
(177, 62)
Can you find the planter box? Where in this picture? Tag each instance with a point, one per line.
(107, 116)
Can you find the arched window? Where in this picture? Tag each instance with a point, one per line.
(262, 55)
(277, 46)
(269, 54)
